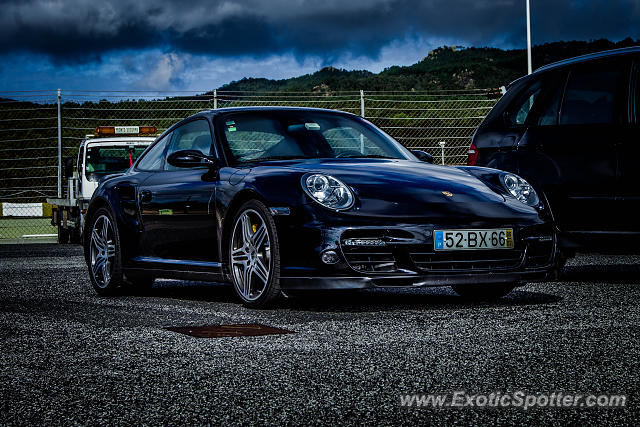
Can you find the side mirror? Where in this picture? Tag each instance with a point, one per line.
(191, 159)
(423, 156)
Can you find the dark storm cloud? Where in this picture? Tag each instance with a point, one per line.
(78, 30)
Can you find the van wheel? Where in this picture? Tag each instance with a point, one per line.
(560, 261)
(483, 292)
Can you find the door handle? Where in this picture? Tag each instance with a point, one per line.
(146, 196)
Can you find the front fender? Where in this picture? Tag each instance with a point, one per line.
(119, 196)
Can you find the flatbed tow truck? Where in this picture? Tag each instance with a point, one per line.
(112, 149)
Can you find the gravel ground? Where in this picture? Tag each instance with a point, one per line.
(72, 357)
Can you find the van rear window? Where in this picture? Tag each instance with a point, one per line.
(589, 97)
(522, 107)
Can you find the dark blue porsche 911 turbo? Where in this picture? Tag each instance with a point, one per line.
(285, 199)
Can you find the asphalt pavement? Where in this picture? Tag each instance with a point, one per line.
(72, 357)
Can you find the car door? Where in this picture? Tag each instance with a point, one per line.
(570, 145)
(175, 202)
(629, 190)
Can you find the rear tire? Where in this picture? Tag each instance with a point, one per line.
(63, 235)
(483, 292)
(254, 256)
(75, 237)
(104, 253)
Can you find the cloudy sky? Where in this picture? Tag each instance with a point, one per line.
(200, 44)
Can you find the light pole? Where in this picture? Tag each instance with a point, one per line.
(528, 38)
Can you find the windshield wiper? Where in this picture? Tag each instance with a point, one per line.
(366, 156)
(263, 159)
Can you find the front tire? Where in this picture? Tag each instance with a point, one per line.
(483, 292)
(254, 256)
(104, 253)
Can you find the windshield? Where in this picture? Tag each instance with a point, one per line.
(270, 135)
(108, 160)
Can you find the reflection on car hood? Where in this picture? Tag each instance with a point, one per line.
(386, 187)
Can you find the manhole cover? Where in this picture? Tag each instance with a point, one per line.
(219, 331)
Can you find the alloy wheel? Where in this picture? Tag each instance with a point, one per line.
(102, 251)
(250, 255)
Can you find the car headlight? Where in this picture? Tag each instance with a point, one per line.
(328, 191)
(520, 189)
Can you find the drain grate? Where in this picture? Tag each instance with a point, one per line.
(219, 331)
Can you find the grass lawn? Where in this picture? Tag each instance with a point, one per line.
(15, 228)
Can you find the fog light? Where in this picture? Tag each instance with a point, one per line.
(329, 257)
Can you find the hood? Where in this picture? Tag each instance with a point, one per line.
(404, 188)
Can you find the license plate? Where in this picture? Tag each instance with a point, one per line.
(451, 240)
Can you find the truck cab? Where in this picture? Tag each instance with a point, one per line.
(98, 158)
(111, 150)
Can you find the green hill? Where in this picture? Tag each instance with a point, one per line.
(443, 68)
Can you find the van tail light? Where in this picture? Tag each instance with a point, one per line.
(472, 155)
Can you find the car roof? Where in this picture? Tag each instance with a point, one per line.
(590, 56)
(211, 114)
(579, 59)
(269, 108)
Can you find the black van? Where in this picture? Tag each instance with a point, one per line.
(572, 129)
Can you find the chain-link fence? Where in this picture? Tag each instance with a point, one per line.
(28, 163)
(440, 123)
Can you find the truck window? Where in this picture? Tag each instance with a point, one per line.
(522, 106)
(104, 160)
(590, 94)
(80, 165)
(152, 159)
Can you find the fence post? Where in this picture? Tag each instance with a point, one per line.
(215, 99)
(59, 145)
(442, 144)
(361, 103)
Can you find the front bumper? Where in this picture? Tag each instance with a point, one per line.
(403, 281)
(407, 257)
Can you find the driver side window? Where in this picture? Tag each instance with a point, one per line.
(152, 158)
(194, 135)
